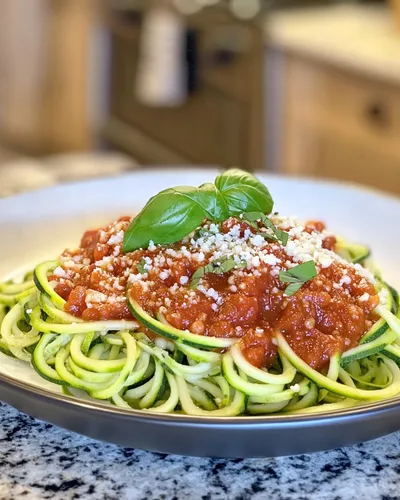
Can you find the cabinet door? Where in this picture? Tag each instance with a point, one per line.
(320, 153)
(340, 126)
(340, 157)
(207, 128)
(220, 123)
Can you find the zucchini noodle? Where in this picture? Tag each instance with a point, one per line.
(116, 361)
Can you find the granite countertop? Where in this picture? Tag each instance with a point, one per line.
(40, 461)
(359, 37)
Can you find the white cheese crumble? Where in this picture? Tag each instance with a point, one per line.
(345, 280)
(164, 274)
(59, 271)
(364, 297)
(93, 296)
(116, 238)
(208, 292)
(325, 261)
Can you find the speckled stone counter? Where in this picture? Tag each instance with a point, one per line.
(39, 461)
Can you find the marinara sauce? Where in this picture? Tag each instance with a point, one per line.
(330, 313)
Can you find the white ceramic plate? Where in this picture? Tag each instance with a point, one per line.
(39, 225)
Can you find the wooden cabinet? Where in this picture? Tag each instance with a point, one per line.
(339, 125)
(46, 90)
(207, 126)
(221, 122)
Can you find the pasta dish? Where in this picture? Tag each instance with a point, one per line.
(209, 302)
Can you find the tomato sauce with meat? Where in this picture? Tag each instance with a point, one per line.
(330, 313)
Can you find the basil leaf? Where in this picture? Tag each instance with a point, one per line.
(302, 272)
(297, 276)
(218, 266)
(288, 279)
(243, 192)
(212, 201)
(282, 236)
(140, 266)
(223, 265)
(196, 277)
(253, 216)
(168, 217)
(201, 233)
(268, 236)
(174, 213)
(293, 288)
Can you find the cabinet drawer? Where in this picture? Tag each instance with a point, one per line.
(367, 110)
(315, 151)
(207, 128)
(231, 58)
(341, 158)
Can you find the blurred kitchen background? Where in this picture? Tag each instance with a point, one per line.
(297, 87)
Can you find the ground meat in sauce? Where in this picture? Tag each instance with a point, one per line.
(248, 304)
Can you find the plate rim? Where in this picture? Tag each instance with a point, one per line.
(277, 419)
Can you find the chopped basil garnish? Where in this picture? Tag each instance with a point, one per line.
(282, 236)
(174, 213)
(218, 266)
(196, 277)
(140, 266)
(279, 235)
(201, 233)
(297, 276)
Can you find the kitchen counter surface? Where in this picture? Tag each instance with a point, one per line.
(362, 38)
(39, 461)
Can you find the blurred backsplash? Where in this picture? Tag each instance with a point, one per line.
(290, 86)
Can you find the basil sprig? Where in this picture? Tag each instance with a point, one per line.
(218, 266)
(140, 266)
(278, 234)
(297, 276)
(174, 213)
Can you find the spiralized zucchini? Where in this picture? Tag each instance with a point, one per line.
(114, 361)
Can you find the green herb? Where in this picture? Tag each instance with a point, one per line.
(282, 236)
(201, 233)
(218, 266)
(173, 213)
(196, 277)
(252, 218)
(297, 276)
(242, 192)
(140, 266)
(279, 235)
